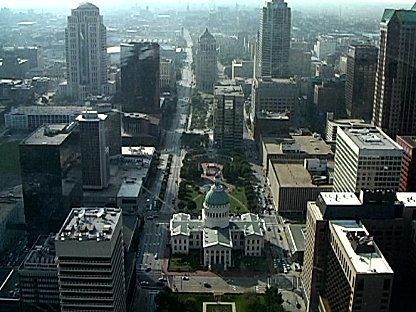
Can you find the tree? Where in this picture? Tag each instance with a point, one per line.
(191, 205)
(273, 300)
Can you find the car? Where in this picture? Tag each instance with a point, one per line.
(144, 283)
(269, 229)
(207, 285)
(162, 279)
(156, 256)
(185, 278)
(148, 269)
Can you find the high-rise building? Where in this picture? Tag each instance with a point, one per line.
(140, 77)
(51, 177)
(359, 85)
(273, 95)
(352, 247)
(94, 150)
(86, 52)
(408, 173)
(206, 62)
(272, 58)
(324, 46)
(366, 159)
(228, 116)
(394, 97)
(90, 258)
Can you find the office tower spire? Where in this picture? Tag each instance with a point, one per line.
(85, 46)
(272, 56)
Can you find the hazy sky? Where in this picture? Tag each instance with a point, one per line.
(105, 4)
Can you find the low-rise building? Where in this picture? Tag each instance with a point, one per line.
(167, 74)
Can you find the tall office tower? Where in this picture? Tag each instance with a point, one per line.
(408, 173)
(272, 58)
(350, 245)
(140, 77)
(94, 150)
(394, 107)
(228, 116)
(90, 258)
(360, 78)
(86, 52)
(51, 177)
(366, 159)
(206, 62)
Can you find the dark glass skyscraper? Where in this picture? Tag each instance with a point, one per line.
(51, 177)
(395, 87)
(140, 77)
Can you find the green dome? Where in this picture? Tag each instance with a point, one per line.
(216, 196)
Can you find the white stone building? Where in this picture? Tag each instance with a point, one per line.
(216, 232)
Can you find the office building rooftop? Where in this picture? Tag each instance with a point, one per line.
(340, 198)
(52, 134)
(371, 138)
(361, 250)
(90, 224)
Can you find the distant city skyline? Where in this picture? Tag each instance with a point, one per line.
(106, 4)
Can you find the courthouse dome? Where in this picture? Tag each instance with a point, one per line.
(216, 196)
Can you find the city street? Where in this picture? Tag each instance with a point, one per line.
(153, 253)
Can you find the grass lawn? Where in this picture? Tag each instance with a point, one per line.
(253, 264)
(197, 299)
(185, 263)
(219, 308)
(238, 200)
(9, 159)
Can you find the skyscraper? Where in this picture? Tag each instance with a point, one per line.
(366, 159)
(86, 52)
(206, 62)
(140, 77)
(272, 56)
(228, 116)
(395, 96)
(360, 78)
(51, 176)
(90, 258)
(94, 150)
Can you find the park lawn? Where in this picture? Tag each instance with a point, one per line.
(250, 264)
(219, 308)
(9, 157)
(185, 263)
(239, 300)
(238, 194)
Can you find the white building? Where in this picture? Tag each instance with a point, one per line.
(90, 258)
(366, 159)
(324, 46)
(86, 52)
(216, 233)
(167, 74)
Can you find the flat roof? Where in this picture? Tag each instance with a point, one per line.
(370, 138)
(363, 262)
(272, 116)
(309, 144)
(138, 151)
(340, 198)
(293, 175)
(90, 224)
(49, 110)
(232, 90)
(52, 134)
(407, 198)
(42, 255)
(91, 116)
(130, 188)
(296, 235)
